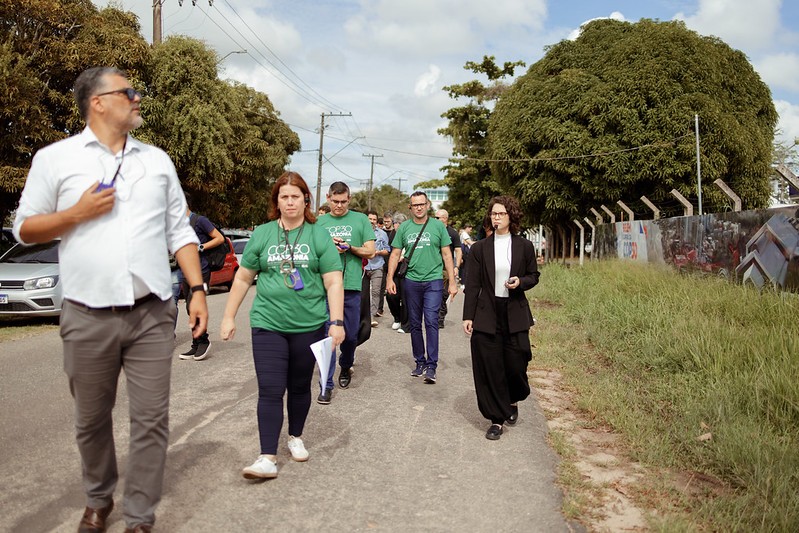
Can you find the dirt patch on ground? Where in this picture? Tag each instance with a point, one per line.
(607, 477)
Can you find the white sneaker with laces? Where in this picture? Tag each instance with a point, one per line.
(262, 468)
(400, 330)
(395, 326)
(297, 449)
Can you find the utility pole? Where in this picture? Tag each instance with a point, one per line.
(371, 179)
(157, 21)
(399, 184)
(321, 144)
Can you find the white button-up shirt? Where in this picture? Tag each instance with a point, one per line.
(124, 254)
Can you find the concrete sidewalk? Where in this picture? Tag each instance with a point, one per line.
(390, 453)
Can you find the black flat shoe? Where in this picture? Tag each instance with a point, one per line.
(494, 432)
(514, 415)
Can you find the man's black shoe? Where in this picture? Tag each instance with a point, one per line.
(190, 353)
(324, 397)
(344, 377)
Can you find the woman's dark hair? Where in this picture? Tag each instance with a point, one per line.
(511, 205)
(89, 83)
(291, 178)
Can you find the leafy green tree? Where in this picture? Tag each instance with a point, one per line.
(44, 45)
(468, 174)
(227, 141)
(610, 117)
(385, 198)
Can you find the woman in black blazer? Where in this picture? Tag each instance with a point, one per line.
(497, 315)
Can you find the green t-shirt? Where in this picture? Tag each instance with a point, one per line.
(277, 307)
(426, 263)
(356, 229)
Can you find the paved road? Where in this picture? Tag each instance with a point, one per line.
(389, 454)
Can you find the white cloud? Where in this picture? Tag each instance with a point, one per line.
(616, 15)
(427, 83)
(743, 24)
(780, 71)
(789, 121)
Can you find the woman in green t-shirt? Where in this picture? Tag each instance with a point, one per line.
(298, 270)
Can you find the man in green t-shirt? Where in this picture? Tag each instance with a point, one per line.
(355, 240)
(424, 243)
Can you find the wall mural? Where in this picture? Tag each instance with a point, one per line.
(760, 247)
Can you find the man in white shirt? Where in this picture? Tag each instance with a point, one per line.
(117, 205)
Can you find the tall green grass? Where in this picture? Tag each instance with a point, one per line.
(665, 358)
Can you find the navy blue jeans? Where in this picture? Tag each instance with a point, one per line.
(352, 322)
(284, 363)
(424, 299)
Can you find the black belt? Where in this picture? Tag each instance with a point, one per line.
(118, 308)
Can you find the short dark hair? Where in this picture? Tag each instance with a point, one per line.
(89, 83)
(511, 205)
(419, 193)
(338, 187)
(372, 212)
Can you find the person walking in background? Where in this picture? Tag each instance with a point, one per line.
(105, 193)
(466, 243)
(497, 315)
(388, 226)
(396, 301)
(355, 240)
(323, 209)
(455, 247)
(298, 271)
(209, 237)
(374, 268)
(425, 244)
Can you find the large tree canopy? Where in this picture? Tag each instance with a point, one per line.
(468, 174)
(227, 140)
(610, 116)
(44, 45)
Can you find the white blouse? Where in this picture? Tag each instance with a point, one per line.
(501, 264)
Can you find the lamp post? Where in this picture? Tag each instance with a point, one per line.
(231, 53)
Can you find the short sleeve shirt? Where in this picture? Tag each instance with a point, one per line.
(356, 229)
(277, 306)
(426, 263)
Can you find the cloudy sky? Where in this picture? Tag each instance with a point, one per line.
(384, 62)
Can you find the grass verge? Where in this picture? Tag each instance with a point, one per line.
(700, 376)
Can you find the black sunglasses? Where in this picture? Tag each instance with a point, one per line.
(129, 92)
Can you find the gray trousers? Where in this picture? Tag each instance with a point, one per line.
(375, 289)
(97, 345)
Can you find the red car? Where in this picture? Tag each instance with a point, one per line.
(224, 276)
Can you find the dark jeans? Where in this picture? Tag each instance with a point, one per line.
(424, 299)
(397, 306)
(202, 339)
(352, 321)
(283, 362)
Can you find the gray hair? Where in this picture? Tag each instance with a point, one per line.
(89, 83)
(399, 218)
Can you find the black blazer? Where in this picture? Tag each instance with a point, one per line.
(479, 304)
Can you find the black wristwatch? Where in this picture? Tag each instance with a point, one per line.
(337, 323)
(198, 288)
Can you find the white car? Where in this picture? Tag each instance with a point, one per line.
(238, 249)
(29, 280)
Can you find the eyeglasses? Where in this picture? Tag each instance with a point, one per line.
(340, 202)
(129, 92)
(419, 205)
(498, 214)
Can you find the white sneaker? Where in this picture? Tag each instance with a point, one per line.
(374, 323)
(400, 330)
(262, 468)
(297, 449)
(395, 326)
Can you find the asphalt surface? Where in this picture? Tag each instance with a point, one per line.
(390, 453)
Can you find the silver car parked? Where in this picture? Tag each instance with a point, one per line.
(29, 280)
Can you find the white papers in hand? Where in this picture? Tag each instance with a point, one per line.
(323, 351)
